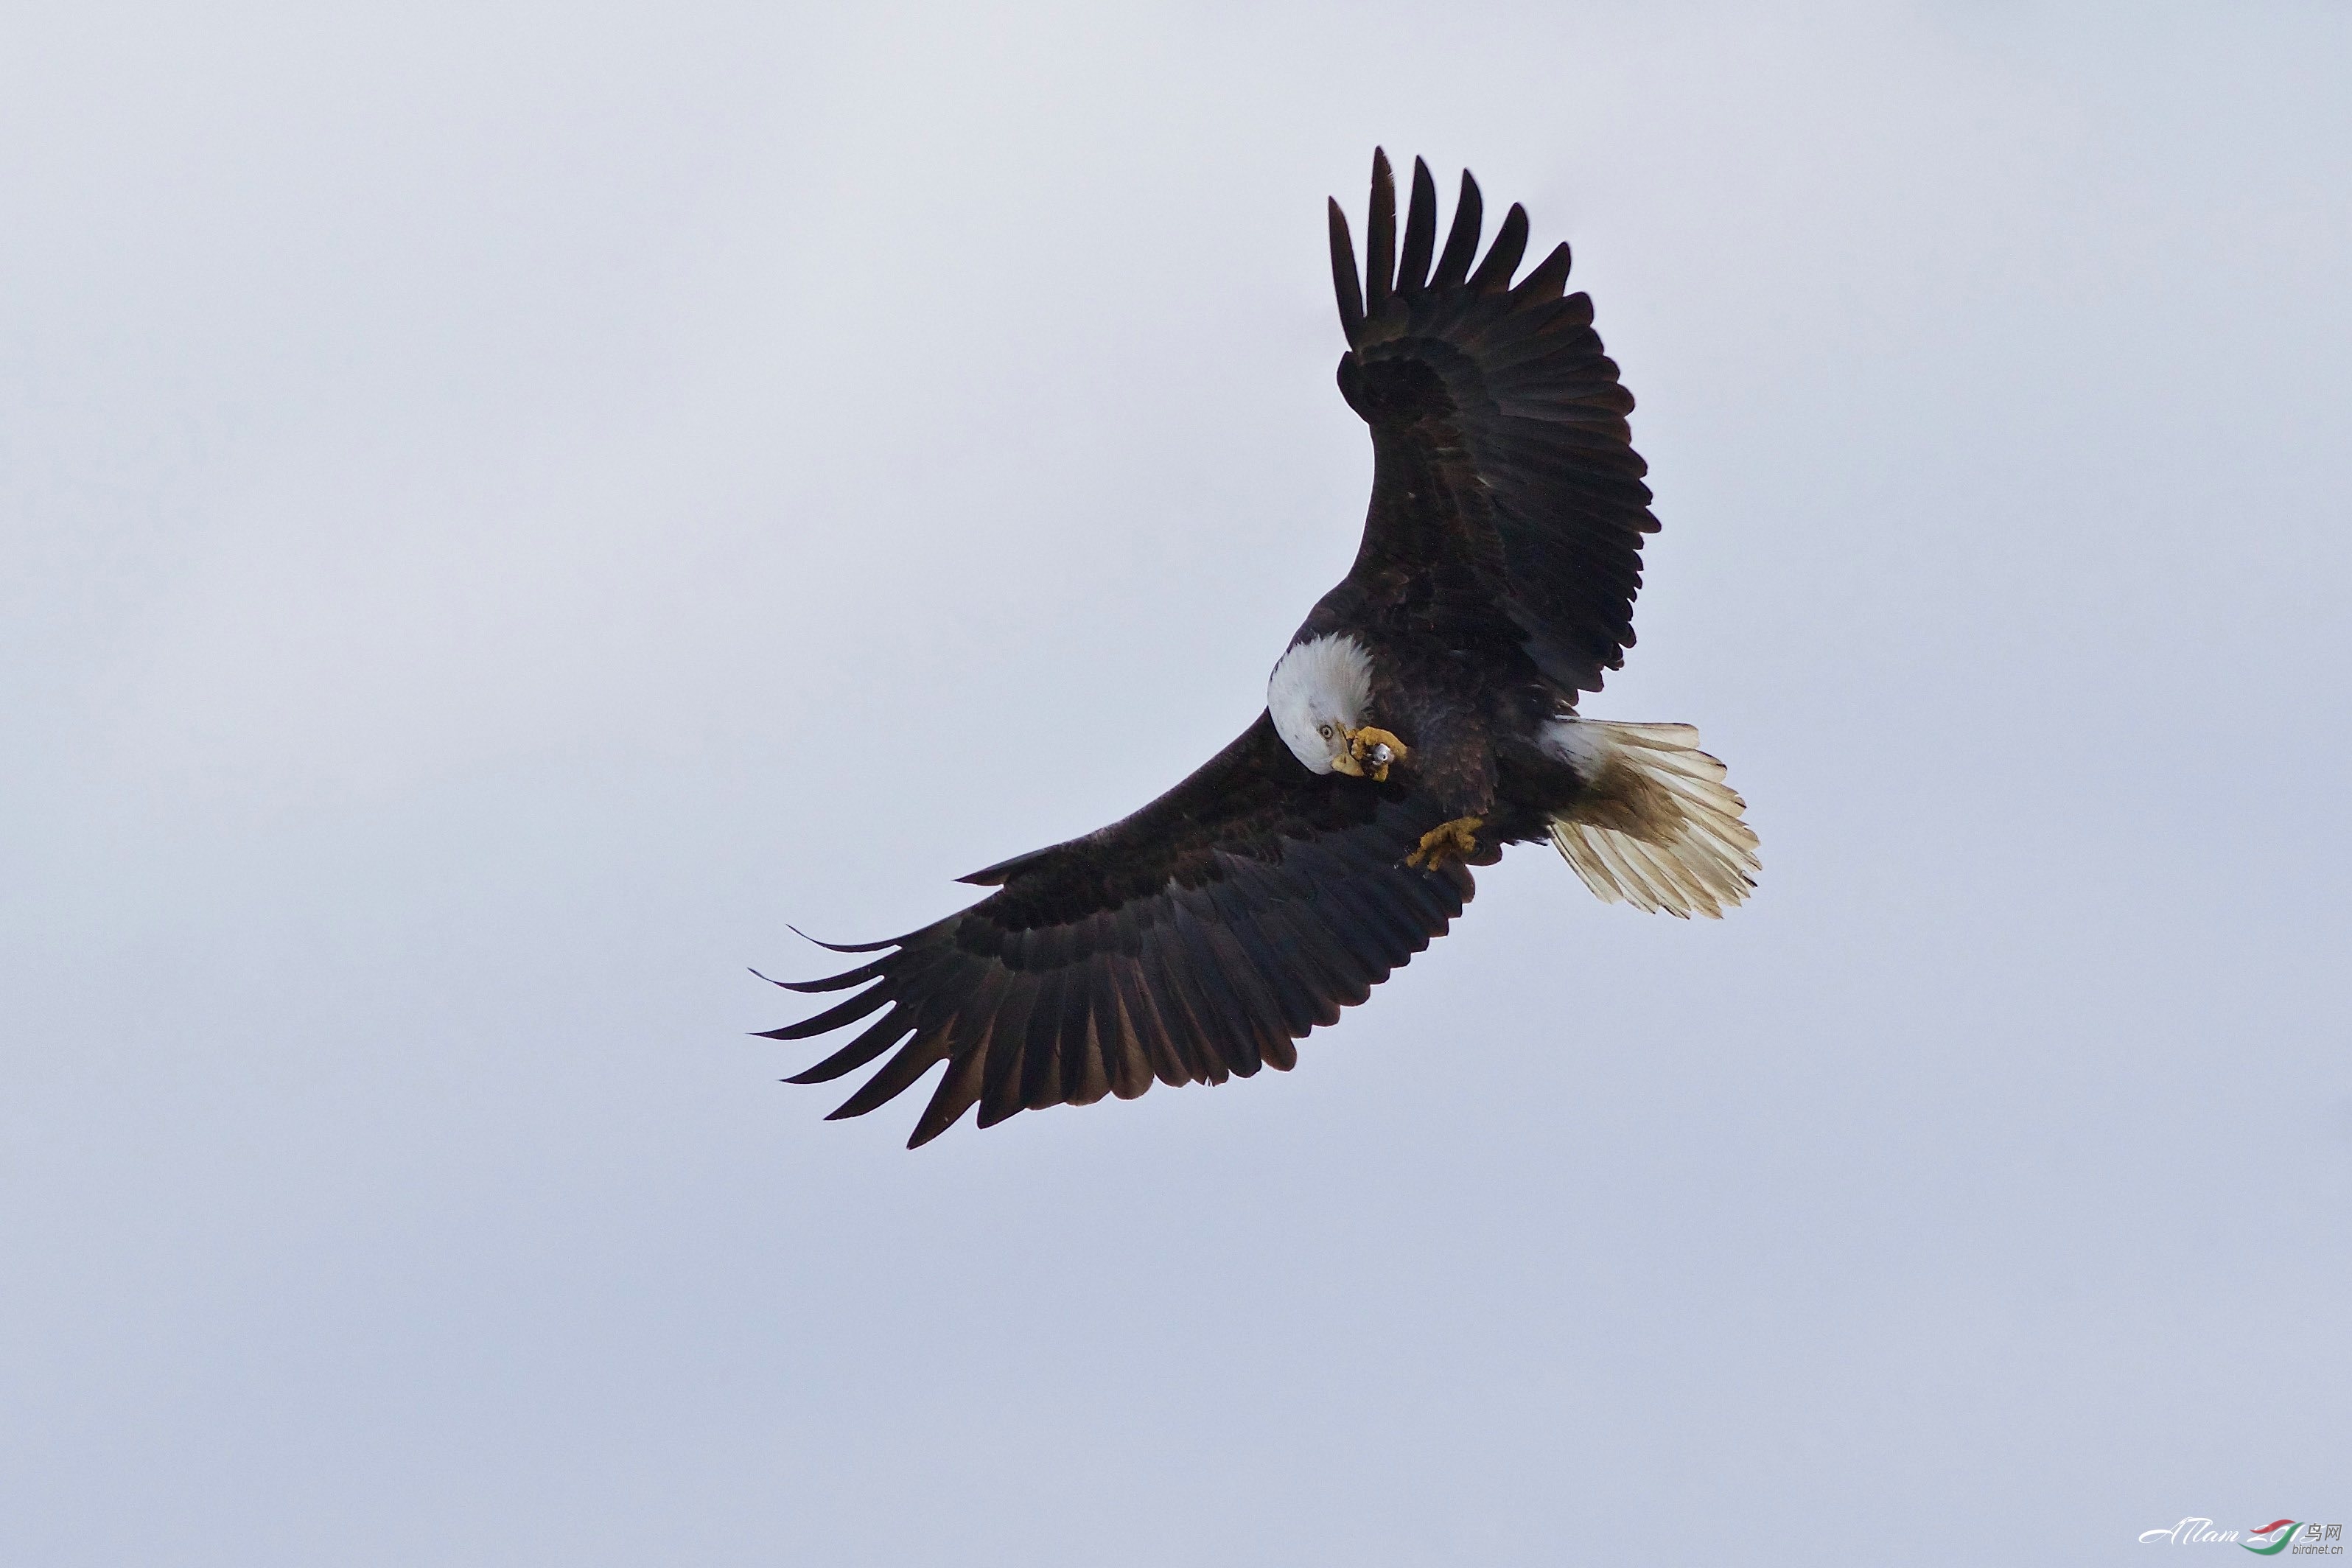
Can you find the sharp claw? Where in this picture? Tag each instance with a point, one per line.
(1458, 838)
(1373, 750)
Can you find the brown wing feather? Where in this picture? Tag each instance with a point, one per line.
(1190, 942)
(1498, 431)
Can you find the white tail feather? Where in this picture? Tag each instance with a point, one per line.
(1660, 829)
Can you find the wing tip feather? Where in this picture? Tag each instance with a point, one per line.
(1345, 285)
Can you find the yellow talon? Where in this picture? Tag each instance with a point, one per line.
(1459, 837)
(1372, 751)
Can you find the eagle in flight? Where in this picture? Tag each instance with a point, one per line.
(1422, 717)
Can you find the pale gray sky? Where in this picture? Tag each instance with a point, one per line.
(503, 508)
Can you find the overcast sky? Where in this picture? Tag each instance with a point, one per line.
(501, 509)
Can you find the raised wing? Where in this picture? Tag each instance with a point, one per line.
(1498, 427)
(1190, 943)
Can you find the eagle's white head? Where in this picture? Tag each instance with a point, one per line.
(1320, 694)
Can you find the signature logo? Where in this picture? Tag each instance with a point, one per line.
(2298, 1538)
(2284, 1528)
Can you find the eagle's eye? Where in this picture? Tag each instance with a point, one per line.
(1324, 730)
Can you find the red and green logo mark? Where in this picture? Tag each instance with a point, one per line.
(2279, 1532)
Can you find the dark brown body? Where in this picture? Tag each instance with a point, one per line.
(1453, 680)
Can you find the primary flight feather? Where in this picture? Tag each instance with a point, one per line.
(1422, 717)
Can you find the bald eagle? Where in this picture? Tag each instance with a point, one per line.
(1422, 717)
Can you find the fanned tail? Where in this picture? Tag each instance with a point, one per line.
(1658, 826)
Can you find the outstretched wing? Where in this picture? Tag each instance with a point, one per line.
(1498, 427)
(1192, 942)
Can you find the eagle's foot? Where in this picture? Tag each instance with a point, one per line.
(1374, 749)
(1458, 838)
